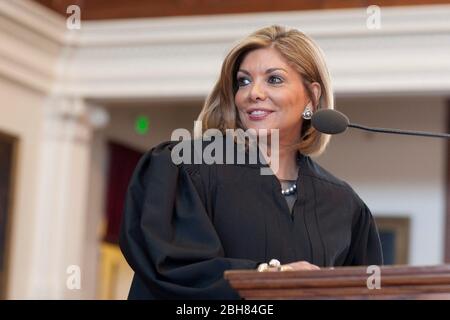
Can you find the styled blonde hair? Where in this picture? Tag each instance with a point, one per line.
(302, 53)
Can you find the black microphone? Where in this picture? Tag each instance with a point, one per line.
(331, 121)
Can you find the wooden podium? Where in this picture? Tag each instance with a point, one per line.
(396, 282)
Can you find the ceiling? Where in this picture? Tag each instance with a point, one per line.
(122, 9)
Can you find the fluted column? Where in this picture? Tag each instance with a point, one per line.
(60, 217)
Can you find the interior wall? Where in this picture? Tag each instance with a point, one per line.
(163, 119)
(397, 175)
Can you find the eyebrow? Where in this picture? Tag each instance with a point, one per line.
(267, 71)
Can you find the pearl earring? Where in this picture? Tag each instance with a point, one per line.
(307, 114)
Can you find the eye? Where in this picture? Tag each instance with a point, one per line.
(243, 81)
(275, 80)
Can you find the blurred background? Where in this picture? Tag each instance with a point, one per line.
(86, 87)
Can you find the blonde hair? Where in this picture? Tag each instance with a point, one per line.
(302, 53)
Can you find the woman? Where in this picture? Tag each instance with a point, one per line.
(185, 224)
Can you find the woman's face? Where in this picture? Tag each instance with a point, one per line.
(271, 94)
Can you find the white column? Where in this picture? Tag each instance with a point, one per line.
(60, 216)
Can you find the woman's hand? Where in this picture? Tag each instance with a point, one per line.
(274, 265)
(299, 265)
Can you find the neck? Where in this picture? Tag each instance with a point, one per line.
(288, 167)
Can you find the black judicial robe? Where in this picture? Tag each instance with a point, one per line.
(184, 225)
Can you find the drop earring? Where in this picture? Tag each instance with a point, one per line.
(307, 113)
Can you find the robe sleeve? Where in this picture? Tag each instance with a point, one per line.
(167, 235)
(365, 247)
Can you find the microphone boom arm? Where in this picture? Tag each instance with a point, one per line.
(397, 131)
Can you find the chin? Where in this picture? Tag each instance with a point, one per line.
(261, 129)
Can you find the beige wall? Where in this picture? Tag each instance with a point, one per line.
(20, 116)
(397, 175)
(164, 117)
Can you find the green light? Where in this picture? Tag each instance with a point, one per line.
(141, 125)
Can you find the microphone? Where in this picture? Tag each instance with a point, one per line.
(331, 121)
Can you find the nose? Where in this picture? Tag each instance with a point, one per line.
(257, 92)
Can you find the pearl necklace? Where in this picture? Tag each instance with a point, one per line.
(293, 189)
(289, 191)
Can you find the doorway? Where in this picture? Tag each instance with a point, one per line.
(7, 163)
